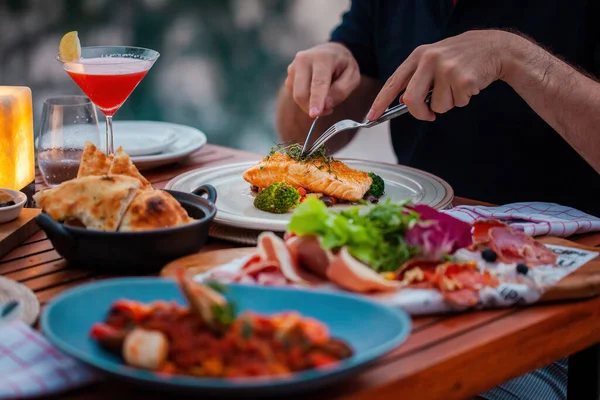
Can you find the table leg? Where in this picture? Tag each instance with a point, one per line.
(584, 374)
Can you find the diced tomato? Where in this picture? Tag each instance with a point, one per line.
(319, 359)
(101, 330)
(167, 368)
(315, 331)
(302, 191)
(468, 275)
(137, 310)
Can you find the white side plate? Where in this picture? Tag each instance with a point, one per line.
(177, 141)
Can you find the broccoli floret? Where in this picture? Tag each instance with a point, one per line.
(377, 188)
(278, 198)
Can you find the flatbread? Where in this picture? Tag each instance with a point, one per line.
(153, 209)
(93, 162)
(122, 165)
(98, 202)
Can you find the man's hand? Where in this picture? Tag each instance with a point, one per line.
(457, 68)
(322, 77)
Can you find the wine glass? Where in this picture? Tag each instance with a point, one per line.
(68, 122)
(108, 75)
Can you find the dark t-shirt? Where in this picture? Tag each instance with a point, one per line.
(497, 148)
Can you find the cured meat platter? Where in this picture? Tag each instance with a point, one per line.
(582, 283)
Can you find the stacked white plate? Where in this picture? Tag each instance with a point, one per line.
(152, 144)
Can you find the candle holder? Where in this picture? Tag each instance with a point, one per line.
(17, 158)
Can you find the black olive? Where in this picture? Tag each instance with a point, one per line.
(489, 255)
(522, 268)
(327, 200)
(8, 204)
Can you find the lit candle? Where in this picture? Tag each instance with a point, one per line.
(17, 160)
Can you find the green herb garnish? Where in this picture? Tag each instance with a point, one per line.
(217, 286)
(246, 329)
(294, 151)
(374, 234)
(225, 315)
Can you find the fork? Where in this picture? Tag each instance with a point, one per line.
(347, 124)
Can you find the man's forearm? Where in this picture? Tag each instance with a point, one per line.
(293, 124)
(566, 99)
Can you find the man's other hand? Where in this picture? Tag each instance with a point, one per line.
(457, 68)
(322, 77)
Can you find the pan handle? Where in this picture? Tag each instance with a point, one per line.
(208, 190)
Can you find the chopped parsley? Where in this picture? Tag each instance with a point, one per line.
(225, 315)
(294, 151)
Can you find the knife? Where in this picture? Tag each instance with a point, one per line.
(312, 128)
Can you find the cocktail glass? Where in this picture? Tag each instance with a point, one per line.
(108, 75)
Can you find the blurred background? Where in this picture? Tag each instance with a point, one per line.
(222, 61)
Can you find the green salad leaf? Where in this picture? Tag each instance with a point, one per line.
(372, 234)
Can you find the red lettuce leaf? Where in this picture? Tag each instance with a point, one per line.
(438, 234)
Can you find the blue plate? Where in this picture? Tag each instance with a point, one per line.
(371, 329)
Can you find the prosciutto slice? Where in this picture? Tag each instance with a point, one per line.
(272, 248)
(481, 230)
(310, 255)
(513, 246)
(351, 274)
(275, 263)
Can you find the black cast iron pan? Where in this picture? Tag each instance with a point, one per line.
(135, 252)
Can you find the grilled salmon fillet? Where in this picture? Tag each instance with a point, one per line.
(332, 178)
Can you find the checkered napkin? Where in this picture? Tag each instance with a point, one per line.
(31, 367)
(533, 218)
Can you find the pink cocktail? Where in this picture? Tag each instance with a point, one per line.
(108, 75)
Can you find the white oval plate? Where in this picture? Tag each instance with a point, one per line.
(234, 197)
(187, 141)
(144, 144)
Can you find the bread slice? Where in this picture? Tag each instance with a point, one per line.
(98, 202)
(153, 209)
(122, 165)
(93, 162)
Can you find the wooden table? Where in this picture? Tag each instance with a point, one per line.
(446, 357)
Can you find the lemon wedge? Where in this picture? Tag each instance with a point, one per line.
(70, 47)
